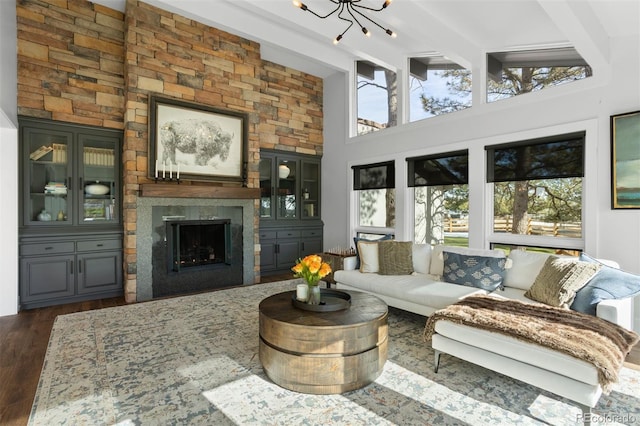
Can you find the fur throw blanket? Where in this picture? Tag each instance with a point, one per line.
(603, 344)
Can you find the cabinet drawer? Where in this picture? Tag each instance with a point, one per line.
(312, 233)
(268, 235)
(99, 245)
(46, 248)
(288, 234)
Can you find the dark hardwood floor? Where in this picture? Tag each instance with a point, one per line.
(23, 344)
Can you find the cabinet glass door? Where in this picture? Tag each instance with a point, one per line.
(287, 195)
(310, 190)
(48, 176)
(98, 161)
(266, 188)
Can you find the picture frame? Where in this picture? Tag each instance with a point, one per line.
(625, 160)
(190, 141)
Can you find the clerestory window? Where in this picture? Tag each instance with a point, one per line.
(437, 86)
(377, 97)
(518, 72)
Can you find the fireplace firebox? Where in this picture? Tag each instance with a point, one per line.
(198, 244)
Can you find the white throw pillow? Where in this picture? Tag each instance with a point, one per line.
(525, 268)
(368, 256)
(437, 261)
(421, 256)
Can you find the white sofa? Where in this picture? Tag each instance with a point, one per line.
(423, 292)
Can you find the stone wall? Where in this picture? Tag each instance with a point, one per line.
(83, 63)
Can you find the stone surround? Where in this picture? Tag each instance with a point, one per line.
(84, 63)
(150, 211)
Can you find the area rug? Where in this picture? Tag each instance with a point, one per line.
(194, 360)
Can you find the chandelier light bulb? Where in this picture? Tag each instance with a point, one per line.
(298, 3)
(366, 32)
(391, 33)
(337, 39)
(386, 3)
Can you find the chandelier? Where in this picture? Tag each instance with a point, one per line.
(350, 8)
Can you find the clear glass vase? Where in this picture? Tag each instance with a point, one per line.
(313, 295)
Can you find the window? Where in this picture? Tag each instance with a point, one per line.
(375, 184)
(537, 189)
(377, 93)
(437, 86)
(441, 197)
(515, 73)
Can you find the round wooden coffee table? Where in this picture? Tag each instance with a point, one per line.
(323, 352)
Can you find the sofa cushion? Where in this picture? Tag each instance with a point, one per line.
(560, 279)
(608, 283)
(416, 288)
(395, 257)
(421, 258)
(437, 261)
(368, 256)
(357, 239)
(482, 272)
(529, 353)
(526, 266)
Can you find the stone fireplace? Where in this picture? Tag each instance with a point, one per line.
(156, 278)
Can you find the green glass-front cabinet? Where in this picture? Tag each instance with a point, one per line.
(70, 234)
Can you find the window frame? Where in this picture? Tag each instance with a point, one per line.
(589, 130)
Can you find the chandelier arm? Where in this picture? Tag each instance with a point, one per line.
(368, 19)
(340, 5)
(351, 10)
(366, 7)
(345, 19)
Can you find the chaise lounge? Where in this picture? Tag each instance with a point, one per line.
(425, 291)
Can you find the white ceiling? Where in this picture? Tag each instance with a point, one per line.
(462, 30)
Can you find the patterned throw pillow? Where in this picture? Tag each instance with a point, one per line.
(395, 257)
(482, 272)
(560, 279)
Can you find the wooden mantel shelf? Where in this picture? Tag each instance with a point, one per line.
(197, 191)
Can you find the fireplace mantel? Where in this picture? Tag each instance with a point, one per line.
(197, 191)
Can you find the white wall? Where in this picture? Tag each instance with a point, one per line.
(9, 216)
(612, 234)
(8, 160)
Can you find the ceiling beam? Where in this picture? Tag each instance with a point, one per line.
(583, 29)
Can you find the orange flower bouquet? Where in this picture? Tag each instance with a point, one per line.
(312, 269)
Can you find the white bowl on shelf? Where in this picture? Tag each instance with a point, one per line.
(96, 189)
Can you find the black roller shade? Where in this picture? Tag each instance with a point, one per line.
(450, 168)
(549, 158)
(374, 176)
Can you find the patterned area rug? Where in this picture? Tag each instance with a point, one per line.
(194, 360)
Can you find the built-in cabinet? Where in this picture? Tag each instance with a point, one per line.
(290, 225)
(70, 234)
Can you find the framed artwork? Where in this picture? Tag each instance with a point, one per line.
(625, 161)
(196, 142)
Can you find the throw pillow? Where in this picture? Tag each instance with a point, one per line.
(395, 257)
(482, 272)
(357, 239)
(608, 283)
(559, 280)
(437, 260)
(421, 256)
(526, 266)
(368, 256)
